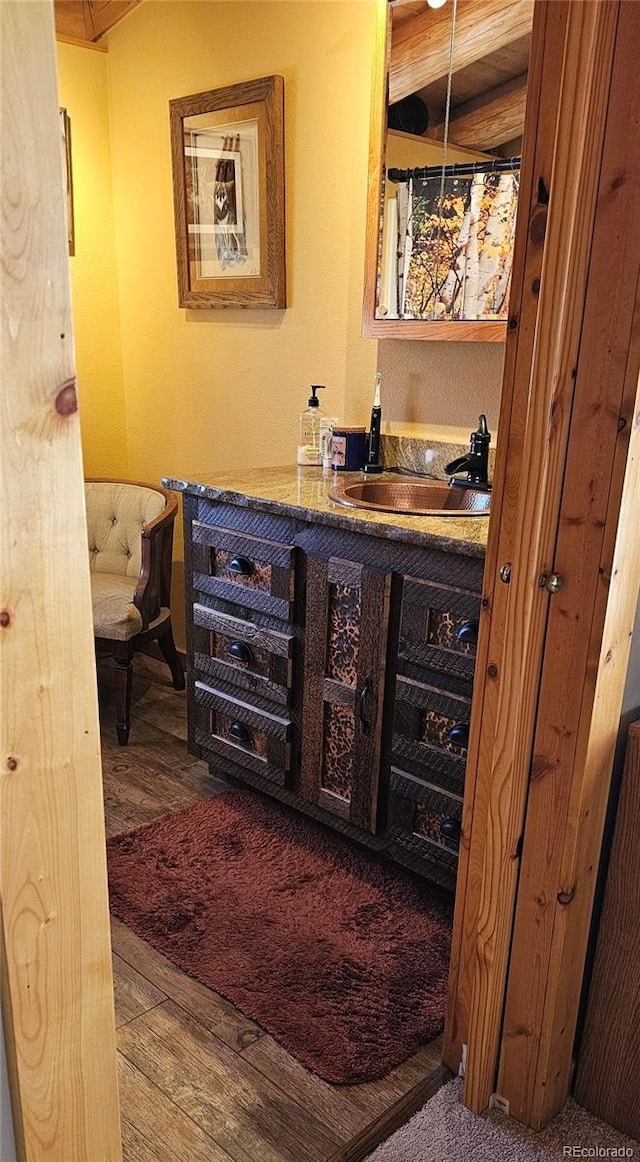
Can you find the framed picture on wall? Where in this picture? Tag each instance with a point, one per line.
(67, 177)
(227, 148)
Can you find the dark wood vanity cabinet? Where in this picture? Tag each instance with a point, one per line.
(333, 669)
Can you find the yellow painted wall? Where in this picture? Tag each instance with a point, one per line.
(441, 383)
(189, 393)
(83, 90)
(213, 389)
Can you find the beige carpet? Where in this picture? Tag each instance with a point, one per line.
(445, 1131)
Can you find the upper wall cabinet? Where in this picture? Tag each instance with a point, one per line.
(448, 103)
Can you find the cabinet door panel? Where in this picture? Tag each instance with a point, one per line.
(347, 615)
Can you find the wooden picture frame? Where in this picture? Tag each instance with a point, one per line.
(67, 175)
(227, 148)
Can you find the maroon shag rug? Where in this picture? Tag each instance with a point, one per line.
(339, 956)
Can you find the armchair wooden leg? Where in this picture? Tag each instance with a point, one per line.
(172, 658)
(124, 676)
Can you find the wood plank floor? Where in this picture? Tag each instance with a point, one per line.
(199, 1082)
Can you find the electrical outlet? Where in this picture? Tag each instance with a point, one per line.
(496, 1102)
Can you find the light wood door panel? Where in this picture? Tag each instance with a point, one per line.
(55, 951)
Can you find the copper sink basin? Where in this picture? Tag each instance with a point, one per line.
(413, 497)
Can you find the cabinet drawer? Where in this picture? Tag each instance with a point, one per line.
(418, 815)
(438, 629)
(232, 650)
(437, 815)
(244, 570)
(244, 735)
(425, 822)
(430, 734)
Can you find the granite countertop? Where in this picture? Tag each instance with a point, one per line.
(302, 492)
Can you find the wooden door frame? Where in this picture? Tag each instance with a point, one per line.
(551, 669)
(55, 951)
(577, 50)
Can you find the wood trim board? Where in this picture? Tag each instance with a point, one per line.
(563, 459)
(548, 36)
(55, 947)
(589, 628)
(608, 1077)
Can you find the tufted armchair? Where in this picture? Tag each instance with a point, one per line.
(130, 530)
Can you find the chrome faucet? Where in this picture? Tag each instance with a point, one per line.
(476, 461)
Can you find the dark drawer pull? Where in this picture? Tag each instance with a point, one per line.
(240, 733)
(451, 829)
(458, 734)
(363, 704)
(241, 652)
(241, 565)
(467, 632)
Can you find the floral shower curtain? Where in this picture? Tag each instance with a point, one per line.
(456, 244)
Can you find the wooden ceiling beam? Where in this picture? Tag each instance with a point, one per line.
(106, 13)
(488, 121)
(73, 19)
(420, 47)
(88, 20)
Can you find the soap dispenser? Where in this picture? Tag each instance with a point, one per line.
(309, 442)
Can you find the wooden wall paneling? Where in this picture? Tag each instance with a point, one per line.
(545, 71)
(56, 962)
(608, 1077)
(590, 623)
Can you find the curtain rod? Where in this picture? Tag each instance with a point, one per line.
(461, 169)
